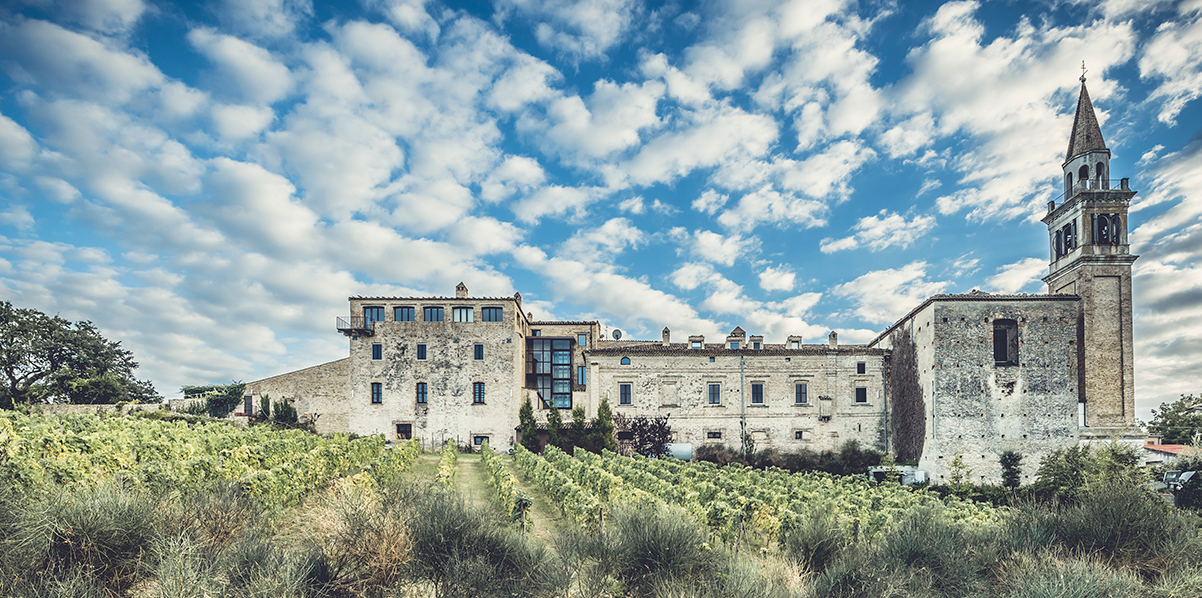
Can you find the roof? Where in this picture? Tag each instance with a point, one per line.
(1086, 135)
(562, 322)
(1177, 450)
(357, 298)
(973, 296)
(658, 348)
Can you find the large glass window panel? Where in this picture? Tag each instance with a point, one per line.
(432, 314)
(373, 314)
(404, 314)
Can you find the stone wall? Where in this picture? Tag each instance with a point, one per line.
(317, 392)
(675, 380)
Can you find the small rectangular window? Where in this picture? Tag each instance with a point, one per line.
(623, 394)
(581, 340)
(713, 435)
(861, 394)
(798, 435)
(734, 345)
(490, 314)
(695, 345)
(421, 351)
(422, 392)
(479, 440)
(755, 345)
(463, 314)
(377, 351)
(580, 375)
(373, 314)
(404, 431)
(715, 394)
(478, 392)
(1005, 342)
(536, 333)
(377, 392)
(403, 314)
(794, 344)
(801, 395)
(861, 368)
(432, 314)
(757, 394)
(478, 352)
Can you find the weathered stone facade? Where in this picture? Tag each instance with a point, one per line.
(993, 373)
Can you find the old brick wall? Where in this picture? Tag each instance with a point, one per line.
(317, 392)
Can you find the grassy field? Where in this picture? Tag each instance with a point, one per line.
(386, 527)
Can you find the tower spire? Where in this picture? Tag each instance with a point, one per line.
(1086, 135)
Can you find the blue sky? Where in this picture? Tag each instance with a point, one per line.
(208, 182)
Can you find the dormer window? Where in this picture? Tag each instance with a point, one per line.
(695, 345)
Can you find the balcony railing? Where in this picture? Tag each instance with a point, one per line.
(354, 325)
(1089, 185)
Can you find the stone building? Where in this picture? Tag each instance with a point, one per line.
(965, 376)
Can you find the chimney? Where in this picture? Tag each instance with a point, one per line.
(834, 339)
(461, 291)
(667, 336)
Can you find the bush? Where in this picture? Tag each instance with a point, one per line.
(653, 545)
(817, 540)
(1044, 576)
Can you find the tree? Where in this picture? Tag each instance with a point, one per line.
(554, 427)
(1178, 422)
(527, 427)
(647, 436)
(47, 359)
(602, 434)
(1010, 461)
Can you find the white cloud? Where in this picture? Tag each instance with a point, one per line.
(766, 205)
(108, 16)
(18, 217)
(610, 121)
(880, 231)
(527, 81)
(1023, 274)
(239, 122)
(582, 29)
(516, 173)
(244, 70)
(709, 202)
(17, 146)
(603, 243)
(263, 18)
(1174, 56)
(714, 247)
(883, 296)
(410, 16)
(555, 200)
(777, 279)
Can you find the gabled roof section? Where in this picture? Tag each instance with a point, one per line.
(1086, 135)
(738, 331)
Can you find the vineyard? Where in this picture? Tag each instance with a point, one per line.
(157, 505)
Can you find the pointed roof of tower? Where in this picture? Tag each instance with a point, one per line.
(1087, 135)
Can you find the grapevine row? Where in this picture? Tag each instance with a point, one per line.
(446, 464)
(516, 502)
(567, 494)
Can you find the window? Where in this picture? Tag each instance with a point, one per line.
(377, 351)
(404, 431)
(580, 375)
(550, 365)
(624, 394)
(581, 340)
(757, 394)
(477, 392)
(463, 314)
(861, 368)
(478, 352)
(422, 392)
(403, 314)
(490, 314)
(695, 344)
(373, 314)
(711, 360)
(421, 351)
(714, 435)
(861, 394)
(715, 394)
(536, 333)
(1005, 342)
(801, 394)
(625, 361)
(755, 345)
(432, 314)
(794, 344)
(798, 435)
(377, 392)
(734, 345)
(479, 440)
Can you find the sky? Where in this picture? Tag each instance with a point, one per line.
(209, 182)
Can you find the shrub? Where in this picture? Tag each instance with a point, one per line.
(1011, 473)
(652, 545)
(816, 540)
(1042, 576)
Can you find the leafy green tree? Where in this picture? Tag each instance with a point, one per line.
(528, 427)
(283, 412)
(47, 359)
(602, 433)
(1011, 474)
(554, 428)
(1178, 422)
(1070, 472)
(577, 430)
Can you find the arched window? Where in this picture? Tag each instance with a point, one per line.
(1059, 244)
(1103, 229)
(1068, 185)
(1100, 176)
(625, 361)
(1083, 176)
(1116, 229)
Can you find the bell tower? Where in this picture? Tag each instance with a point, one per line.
(1091, 258)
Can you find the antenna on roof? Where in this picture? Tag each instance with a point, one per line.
(617, 334)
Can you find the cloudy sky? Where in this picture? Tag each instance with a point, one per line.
(208, 182)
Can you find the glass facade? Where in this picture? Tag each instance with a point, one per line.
(549, 370)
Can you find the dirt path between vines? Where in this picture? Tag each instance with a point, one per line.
(546, 517)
